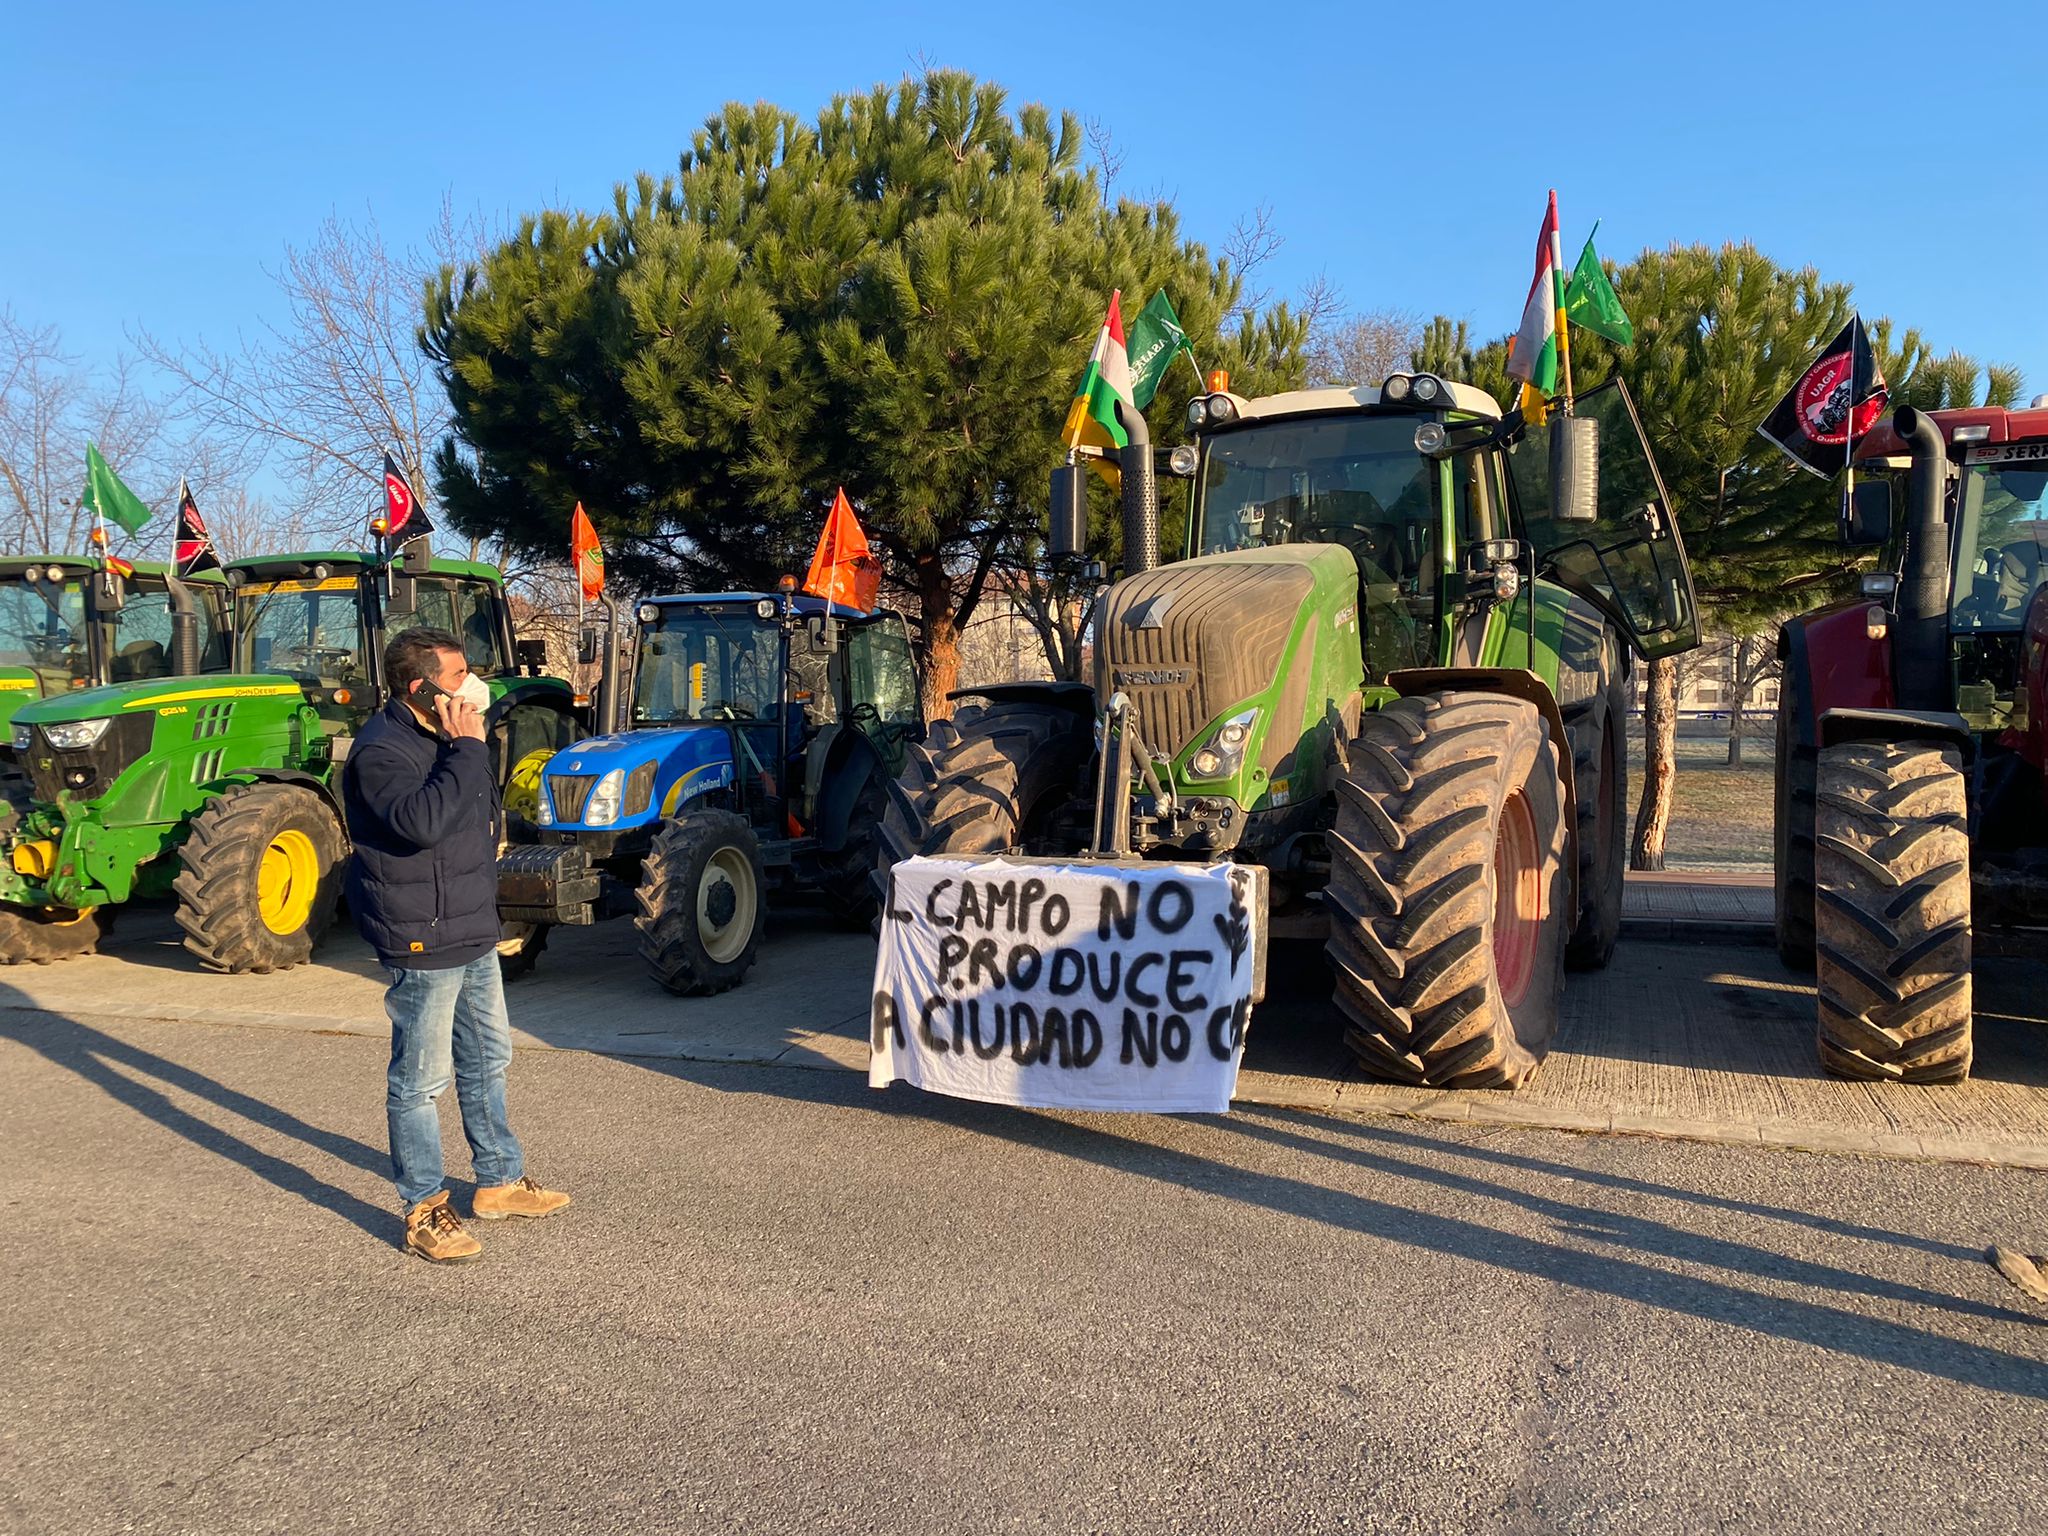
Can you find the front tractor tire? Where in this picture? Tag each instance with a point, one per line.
(39, 935)
(701, 906)
(1892, 911)
(261, 876)
(1447, 891)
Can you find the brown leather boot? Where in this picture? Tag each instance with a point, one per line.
(524, 1198)
(2029, 1274)
(433, 1232)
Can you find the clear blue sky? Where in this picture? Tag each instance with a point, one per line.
(158, 157)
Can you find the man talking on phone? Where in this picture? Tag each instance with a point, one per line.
(423, 814)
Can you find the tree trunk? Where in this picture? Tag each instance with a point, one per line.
(1660, 763)
(940, 611)
(1735, 728)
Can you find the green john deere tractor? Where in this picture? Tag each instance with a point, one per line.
(222, 790)
(68, 622)
(1390, 673)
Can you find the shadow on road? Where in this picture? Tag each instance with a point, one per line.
(1617, 1267)
(106, 1063)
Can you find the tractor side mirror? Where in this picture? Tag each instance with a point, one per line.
(404, 599)
(113, 592)
(1575, 469)
(1067, 534)
(1867, 513)
(531, 655)
(587, 646)
(821, 638)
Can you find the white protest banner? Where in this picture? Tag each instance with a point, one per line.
(1066, 986)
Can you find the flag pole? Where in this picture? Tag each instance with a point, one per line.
(1849, 426)
(1564, 341)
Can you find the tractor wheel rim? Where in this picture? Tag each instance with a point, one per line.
(286, 881)
(1517, 899)
(726, 900)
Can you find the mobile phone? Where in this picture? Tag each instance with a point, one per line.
(429, 690)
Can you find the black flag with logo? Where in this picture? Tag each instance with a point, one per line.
(1836, 401)
(404, 517)
(192, 551)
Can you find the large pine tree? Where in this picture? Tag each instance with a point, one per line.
(897, 298)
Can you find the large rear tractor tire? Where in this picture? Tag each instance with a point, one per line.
(1003, 784)
(701, 903)
(1447, 891)
(262, 874)
(1892, 911)
(39, 935)
(1600, 775)
(909, 799)
(846, 883)
(1792, 814)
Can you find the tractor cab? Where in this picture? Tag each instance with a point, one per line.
(760, 734)
(322, 619)
(67, 623)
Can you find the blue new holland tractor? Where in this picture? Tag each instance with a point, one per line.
(759, 735)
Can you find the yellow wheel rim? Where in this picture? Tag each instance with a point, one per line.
(522, 789)
(287, 880)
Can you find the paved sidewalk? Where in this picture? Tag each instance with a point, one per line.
(1727, 909)
(1708, 1041)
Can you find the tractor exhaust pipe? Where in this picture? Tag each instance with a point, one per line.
(184, 629)
(1141, 494)
(1920, 643)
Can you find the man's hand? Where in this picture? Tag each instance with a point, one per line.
(459, 718)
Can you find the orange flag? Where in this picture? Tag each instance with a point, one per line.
(588, 555)
(843, 571)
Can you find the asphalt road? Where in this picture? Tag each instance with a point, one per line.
(784, 1302)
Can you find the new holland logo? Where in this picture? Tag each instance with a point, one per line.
(1152, 677)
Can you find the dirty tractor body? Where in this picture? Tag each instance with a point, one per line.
(758, 736)
(1911, 797)
(221, 790)
(1390, 670)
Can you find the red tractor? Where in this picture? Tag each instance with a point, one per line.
(1912, 781)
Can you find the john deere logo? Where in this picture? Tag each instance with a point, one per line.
(1152, 677)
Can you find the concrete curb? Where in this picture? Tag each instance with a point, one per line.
(820, 1053)
(1698, 930)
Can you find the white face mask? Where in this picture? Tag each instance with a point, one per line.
(476, 692)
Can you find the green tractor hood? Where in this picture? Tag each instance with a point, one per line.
(1239, 668)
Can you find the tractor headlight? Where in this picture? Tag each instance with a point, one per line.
(1220, 409)
(24, 737)
(32, 575)
(602, 809)
(1183, 461)
(543, 808)
(1198, 414)
(76, 735)
(1426, 388)
(1396, 388)
(1223, 753)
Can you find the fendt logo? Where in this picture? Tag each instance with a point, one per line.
(1151, 677)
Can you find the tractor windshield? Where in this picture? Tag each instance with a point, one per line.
(142, 636)
(1352, 480)
(309, 630)
(2002, 544)
(468, 609)
(702, 664)
(42, 627)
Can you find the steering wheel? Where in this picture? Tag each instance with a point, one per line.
(864, 713)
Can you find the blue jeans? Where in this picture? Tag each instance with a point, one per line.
(447, 1024)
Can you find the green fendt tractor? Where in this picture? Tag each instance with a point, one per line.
(67, 622)
(1390, 673)
(222, 790)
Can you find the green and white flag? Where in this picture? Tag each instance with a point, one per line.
(1156, 339)
(106, 497)
(1591, 301)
